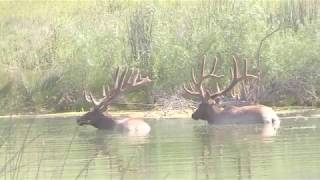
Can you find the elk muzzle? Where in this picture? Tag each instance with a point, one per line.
(82, 121)
(195, 116)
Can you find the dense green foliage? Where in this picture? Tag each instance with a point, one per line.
(51, 51)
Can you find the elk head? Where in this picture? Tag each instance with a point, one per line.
(208, 108)
(122, 83)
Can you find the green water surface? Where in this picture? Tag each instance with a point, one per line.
(56, 148)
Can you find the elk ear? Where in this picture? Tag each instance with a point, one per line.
(211, 102)
(217, 100)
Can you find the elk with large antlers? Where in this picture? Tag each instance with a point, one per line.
(209, 110)
(122, 83)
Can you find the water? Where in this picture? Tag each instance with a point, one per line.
(175, 149)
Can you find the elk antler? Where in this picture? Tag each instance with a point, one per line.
(235, 78)
(196, 87)
(122, 83)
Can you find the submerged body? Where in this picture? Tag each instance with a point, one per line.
(252, 114)
(133, 126)
(105, 121)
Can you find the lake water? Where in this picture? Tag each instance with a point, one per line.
(175, 149)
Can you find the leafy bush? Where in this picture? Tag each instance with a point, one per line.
(52, 51)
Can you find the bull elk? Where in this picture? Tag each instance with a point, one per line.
(100, 119)
(209, 110)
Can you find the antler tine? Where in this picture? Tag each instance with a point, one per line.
(193, 76)
(203, 63)
(192, 87)
(233, 93)
(94, 100)
(191, 92)
(116, 78)
(217, 87)
(90, 98)
(104, 93)
(235, 68)
(196, 86)
(121, 83)
(135, 80)
(122, 79)
(213, 69)
(86, 96)
(231, 73)
(135, 77)
(140, 77)
(246, 70)
(141, 80)
(130, 78)
(235, 78)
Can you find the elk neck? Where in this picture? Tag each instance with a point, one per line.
(109, 122)
(207, 112)
(214, 113)
(105, 122)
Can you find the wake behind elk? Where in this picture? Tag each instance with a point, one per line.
(100, 119)
(209, 110)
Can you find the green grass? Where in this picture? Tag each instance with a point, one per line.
(50, 51)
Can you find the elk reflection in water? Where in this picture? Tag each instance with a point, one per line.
(226, 147)
(106, 145)
(176, 148)
(103, 138)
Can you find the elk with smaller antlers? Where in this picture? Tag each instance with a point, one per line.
(209, 110)
(100, 119)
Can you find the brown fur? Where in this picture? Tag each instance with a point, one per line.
(236, 115)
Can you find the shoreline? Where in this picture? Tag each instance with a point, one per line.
(157, 114)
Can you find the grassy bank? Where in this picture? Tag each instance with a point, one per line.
(51, 51)
(154, 114)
